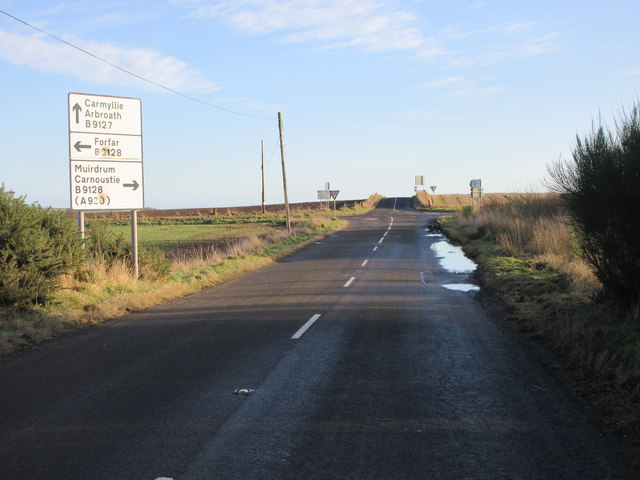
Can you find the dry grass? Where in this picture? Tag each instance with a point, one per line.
(535, 227)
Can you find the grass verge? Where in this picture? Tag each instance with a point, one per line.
(553, 296)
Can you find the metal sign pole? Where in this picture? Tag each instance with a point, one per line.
(134, 243)
(81, 226)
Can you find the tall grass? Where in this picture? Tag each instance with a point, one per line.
(532, 226)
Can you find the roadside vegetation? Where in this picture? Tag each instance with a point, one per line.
(567, 264)
(52, 283)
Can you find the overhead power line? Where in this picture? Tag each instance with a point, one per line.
(139, 77)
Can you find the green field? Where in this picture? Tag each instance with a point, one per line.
(170, 236)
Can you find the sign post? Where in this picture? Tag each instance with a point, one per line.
(323, 196)
(476, 189)
(433, 190)
(334, 194)
(105, 156)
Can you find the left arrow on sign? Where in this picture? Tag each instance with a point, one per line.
(77, 108)
(78, 146)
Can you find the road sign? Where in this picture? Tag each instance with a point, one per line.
(334, 193)
(476, 192)
(475, 183)
(104, 114)
(323, 195)
(433, 188)
(419, 180)
(97, 146)
(105, 152)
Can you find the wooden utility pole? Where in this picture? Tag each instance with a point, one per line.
(284, 174)
(262, 156)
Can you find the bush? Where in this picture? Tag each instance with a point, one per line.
(601, 185)
(37, 246)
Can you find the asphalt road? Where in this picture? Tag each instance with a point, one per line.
(397, 378)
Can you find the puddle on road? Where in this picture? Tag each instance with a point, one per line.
(462, 287)
(452, 258)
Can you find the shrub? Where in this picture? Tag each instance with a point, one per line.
(601, 185)
(37, 246)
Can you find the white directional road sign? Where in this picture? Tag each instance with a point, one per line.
(104, 114)
(97, 146)
(105, 152)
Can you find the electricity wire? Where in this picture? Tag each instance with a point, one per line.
(139, 77)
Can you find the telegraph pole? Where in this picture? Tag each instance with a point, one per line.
(262, 156)
(284, 174)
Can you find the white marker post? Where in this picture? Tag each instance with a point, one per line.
(105, 154)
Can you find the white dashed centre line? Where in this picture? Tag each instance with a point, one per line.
(306, 326)
(375, 248)
(349, 282)
(381, 240)
(364, 264)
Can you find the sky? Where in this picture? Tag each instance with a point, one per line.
(371, 92)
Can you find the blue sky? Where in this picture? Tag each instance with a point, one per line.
(372, 92)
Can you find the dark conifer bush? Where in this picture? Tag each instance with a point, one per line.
(37, 246)
(601, 185)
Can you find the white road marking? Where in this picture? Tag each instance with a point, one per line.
(306, 326)
(349, 282)
(364, 264)
(375, 248)
(381, 240)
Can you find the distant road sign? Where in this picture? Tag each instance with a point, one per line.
(323, 195)
(105, 152)
(477, 192)
(475, 183)
(419, 180)
(334, 193)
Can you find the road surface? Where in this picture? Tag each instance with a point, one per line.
(352, 361)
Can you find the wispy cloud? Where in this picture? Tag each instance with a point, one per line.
(460, 86)
(40, 53)
(429, 116)
(370, 25)
(514, 51)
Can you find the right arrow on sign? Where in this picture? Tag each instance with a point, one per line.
(133, 185)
